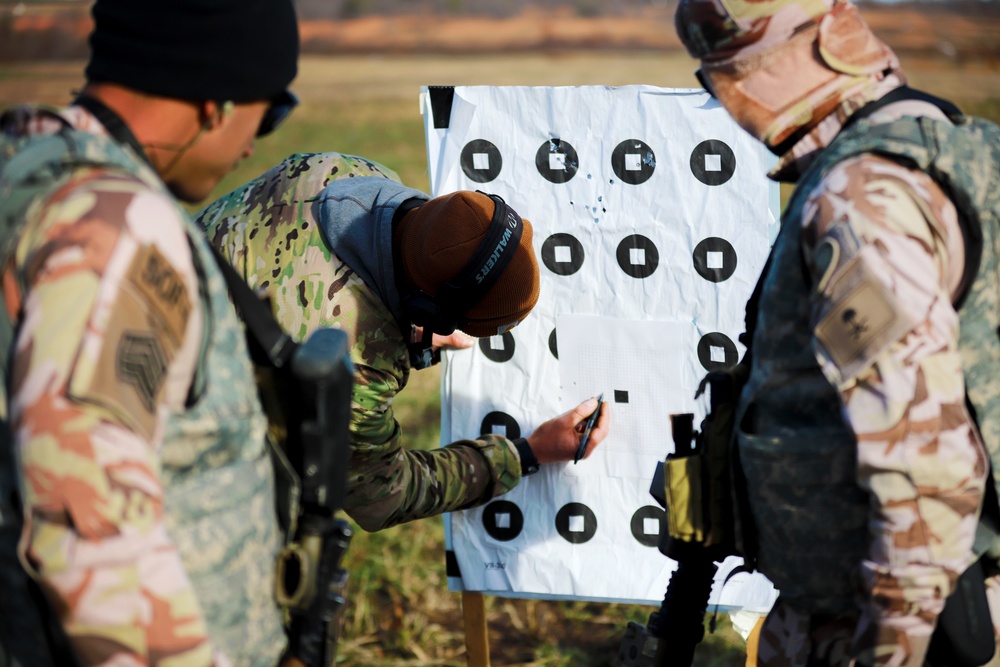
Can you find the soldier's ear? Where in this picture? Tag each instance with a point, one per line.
(213, 113)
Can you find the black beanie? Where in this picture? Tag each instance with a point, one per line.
(239, 50)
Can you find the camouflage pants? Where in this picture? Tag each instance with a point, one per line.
(791, 639)
(922, 536)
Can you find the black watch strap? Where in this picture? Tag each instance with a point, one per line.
(529, 464)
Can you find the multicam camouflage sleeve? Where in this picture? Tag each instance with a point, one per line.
(886, 252)
(268, 230)
(104, 292)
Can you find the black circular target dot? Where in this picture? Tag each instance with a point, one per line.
(633, 161)
(500, 423)
(576, 522)
(713, 162)
(562, 254)
(553, 347)
(715, 259)
(648, 524)
(481, 161)
(637, 256)
(503, 520)
(716, 352)
(557, 161)
(498, 348)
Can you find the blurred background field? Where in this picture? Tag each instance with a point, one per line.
(366, 103)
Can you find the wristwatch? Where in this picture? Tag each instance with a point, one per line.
(529, 464)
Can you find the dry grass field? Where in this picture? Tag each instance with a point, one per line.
(400, 611)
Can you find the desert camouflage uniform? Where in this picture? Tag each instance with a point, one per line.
(269, 231)
(146, 485)
(855, 408)
(885, 256)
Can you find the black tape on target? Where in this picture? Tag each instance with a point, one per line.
(481, 161)
(633, 161)
(647, 525)
(498, 348)
(508, 426)
(717, 352)
(557, 161)
(576, 523)
(637, 256)
(503, 520)
(713, 162)
(553, 345)
(715, 259)
(562, 254)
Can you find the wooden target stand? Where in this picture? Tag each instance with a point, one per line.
(477, 641)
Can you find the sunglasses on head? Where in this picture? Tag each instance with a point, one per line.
(703, 80)
(280, 108)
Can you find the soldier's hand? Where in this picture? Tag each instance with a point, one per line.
(558, 439)
(455, 341)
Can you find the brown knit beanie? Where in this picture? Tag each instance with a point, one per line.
(439, 238)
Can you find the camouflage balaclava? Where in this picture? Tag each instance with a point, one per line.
(780, 67)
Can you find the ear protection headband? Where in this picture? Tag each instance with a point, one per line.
(441, 313)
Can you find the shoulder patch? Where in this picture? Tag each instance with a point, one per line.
(142, 363)
(145, 327)
(854, 322)
(163, 289)
(860, 318)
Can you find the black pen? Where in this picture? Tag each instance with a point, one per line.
(591, 420)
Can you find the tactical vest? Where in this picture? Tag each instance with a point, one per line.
(215, 463)
(798, 454)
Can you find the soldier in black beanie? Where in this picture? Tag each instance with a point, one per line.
(137, 497)
(188, 76)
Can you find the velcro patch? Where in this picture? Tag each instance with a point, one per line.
(854, 322)
(861, 319)
(163, 289)
(144, 329)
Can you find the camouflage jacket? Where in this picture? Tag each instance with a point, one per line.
(276, 230)
(138, 438)
(865, 470)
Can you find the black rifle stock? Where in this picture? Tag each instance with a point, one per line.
(311, 583)
(694, 486)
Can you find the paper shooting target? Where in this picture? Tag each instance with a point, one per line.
(481, 161)
(500, 423)
(651, 219)
(648, 524)
(713, 162)
(576, 523)
(498, 349)
(716, 352)
(637, 256)
(557, 161)
(503, 520)
(633, 161)
(562, 254)
(715, 259)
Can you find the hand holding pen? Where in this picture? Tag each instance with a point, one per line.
(588, 431)
(559, 439)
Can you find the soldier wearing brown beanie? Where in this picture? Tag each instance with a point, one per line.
(337, 241)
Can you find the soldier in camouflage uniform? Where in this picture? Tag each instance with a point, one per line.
(336, 240)
(865, 470)
(133, 464)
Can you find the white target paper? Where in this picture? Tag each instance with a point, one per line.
(652, 220)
